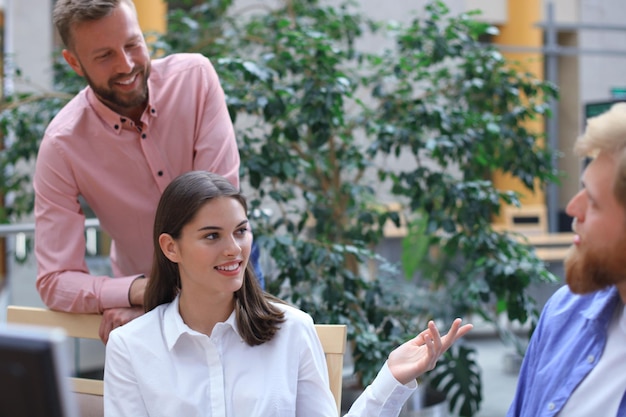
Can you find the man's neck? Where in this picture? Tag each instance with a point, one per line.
(133, 114)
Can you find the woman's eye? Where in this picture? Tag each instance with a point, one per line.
(242, 231)
(211, 236)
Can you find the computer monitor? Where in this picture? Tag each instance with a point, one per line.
(34, 366)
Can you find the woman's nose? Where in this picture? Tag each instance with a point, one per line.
(232, 247)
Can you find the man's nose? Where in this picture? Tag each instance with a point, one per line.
(124, 63)
(576, 206)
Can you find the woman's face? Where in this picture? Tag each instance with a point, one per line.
(213, 249)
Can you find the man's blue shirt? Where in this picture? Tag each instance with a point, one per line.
(255, 260)
(567, 343)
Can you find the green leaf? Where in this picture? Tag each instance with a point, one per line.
(458, 375)
(415, 245)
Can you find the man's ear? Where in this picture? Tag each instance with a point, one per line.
(73, 62)
(169, 247)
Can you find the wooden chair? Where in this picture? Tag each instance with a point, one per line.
(90, 391)
(333, 338)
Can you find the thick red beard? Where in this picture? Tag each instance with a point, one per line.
(588, 270)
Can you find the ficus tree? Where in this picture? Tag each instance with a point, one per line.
(329, 132)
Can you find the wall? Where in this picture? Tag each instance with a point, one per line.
(597, 74)
(28, 40)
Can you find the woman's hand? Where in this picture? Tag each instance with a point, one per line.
(420, 354)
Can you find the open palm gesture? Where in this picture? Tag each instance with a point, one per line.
(420, 354)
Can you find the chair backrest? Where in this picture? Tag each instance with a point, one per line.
(332, 336)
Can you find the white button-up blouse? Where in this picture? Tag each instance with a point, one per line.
(157, 366)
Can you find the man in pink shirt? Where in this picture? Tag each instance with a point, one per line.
(118, 144)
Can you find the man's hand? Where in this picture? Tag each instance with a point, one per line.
(420, 354)
(115, 317)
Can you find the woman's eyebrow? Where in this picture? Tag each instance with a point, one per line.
(203, 228)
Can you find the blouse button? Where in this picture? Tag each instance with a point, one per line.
(143, 136)
(116, 127)
(591, 359)
(551, 406)
(160, 173)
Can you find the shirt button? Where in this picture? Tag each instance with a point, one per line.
(116, 127)
(153, 111)
(551, 406)
(160, 173)
(591, 359)
(143, 136)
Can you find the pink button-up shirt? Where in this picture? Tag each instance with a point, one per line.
(120, 170)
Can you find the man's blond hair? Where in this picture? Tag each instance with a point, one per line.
(607, 133)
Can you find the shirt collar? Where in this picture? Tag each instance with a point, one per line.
(603, 305)
(115, 121)
(174, 327)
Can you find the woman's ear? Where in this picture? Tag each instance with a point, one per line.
(169, 247)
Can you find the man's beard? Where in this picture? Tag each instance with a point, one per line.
(591, 269)
(119, 102)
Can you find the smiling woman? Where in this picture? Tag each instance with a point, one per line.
(202, 244)
(210, 332)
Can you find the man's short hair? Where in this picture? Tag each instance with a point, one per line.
(607, 133)
(69, 13)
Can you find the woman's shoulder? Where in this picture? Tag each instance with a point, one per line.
(145, 326)
(294, 317)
